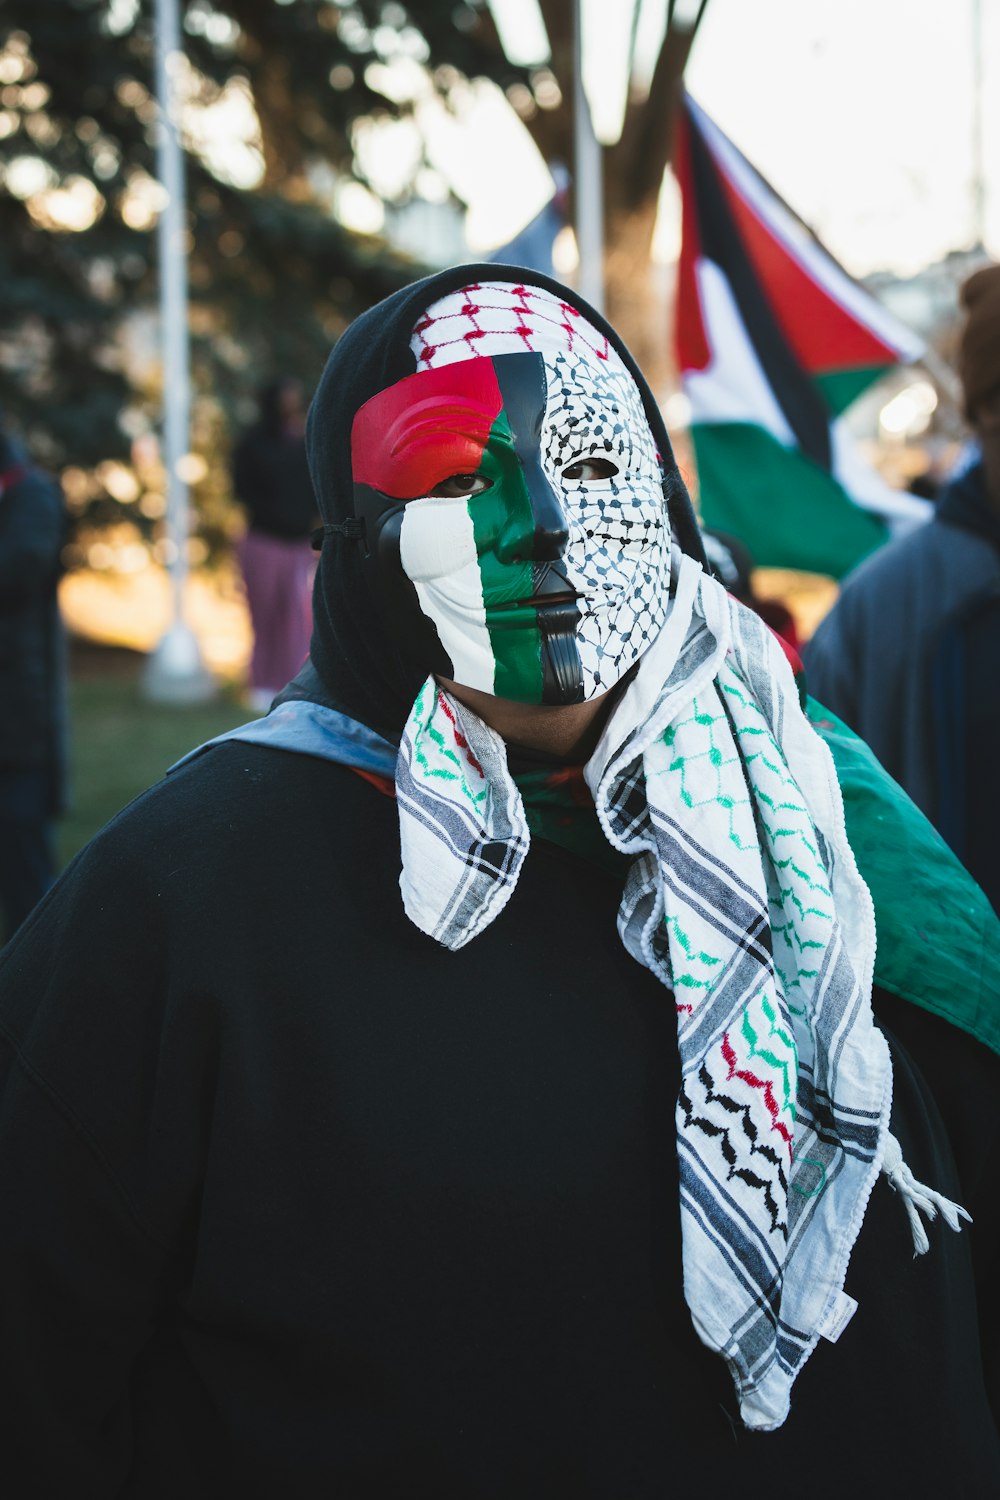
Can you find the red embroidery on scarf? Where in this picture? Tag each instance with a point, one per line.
(460, 739)
(756, 1083)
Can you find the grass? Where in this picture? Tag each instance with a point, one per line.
(120, 744)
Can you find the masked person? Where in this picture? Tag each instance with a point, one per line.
(537, 1168)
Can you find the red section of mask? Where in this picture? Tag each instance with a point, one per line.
(423, 429)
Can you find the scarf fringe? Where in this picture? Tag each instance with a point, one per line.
(918, 1198)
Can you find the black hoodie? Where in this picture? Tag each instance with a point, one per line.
(296, 1203)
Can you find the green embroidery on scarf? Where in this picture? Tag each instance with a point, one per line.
(815, 911)
(689, 769)
(808, 1161)
(788, 1066)
(424, 725)
(674, 928)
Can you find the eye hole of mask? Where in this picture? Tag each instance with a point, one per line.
(459, 486)
(589, 470)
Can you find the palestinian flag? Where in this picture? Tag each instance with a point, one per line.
(774, 340)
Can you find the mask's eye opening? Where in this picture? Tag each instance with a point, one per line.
(460, 486)
(590, 469)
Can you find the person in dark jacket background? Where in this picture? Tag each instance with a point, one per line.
(909, 655)
(32, 680)
(271, 479)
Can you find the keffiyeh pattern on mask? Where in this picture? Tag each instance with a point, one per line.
(618, 554)
(744, 900)
(498, 317)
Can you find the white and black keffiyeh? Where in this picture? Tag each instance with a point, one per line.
(744, 898)
(462, 827)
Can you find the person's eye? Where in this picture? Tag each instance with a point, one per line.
(587, 470)
(458, 486)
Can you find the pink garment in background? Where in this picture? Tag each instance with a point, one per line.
(278, 575)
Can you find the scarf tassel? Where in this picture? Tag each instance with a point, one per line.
(918, 1199)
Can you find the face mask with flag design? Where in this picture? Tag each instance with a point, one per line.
(513, 503)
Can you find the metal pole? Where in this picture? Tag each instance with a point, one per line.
(175, 671)
(978, 177)
(587, 179)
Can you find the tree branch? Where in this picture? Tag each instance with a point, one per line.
(641, 156)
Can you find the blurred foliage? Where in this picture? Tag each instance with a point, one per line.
(274, 276)
(108, 711)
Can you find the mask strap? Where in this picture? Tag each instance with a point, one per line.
(353, 529)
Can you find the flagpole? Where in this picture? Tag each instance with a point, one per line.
(588, 188)
(175, 671)
(978, 179)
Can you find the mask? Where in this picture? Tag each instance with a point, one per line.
(516, 529)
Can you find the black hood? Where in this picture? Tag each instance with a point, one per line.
(353, 655)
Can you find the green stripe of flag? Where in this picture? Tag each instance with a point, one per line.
(514, 636)
(841, 387)
(789, 512)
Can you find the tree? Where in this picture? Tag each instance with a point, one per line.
(633, 166)
(274, 276)
(268, 258)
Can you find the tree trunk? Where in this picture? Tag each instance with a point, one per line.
(634, 299)
(633, 172)
(284, 162)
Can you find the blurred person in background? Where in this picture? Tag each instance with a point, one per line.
(909, 656)
(32, 681)
(271, 480)
(533, 1169)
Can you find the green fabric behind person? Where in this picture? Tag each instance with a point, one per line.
(938, 936)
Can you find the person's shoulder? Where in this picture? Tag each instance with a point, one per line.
(235, 806)
(902, 563)
(900, 553)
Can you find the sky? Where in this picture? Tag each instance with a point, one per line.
(859, 112)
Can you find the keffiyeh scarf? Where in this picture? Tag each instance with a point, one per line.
(744, 899)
